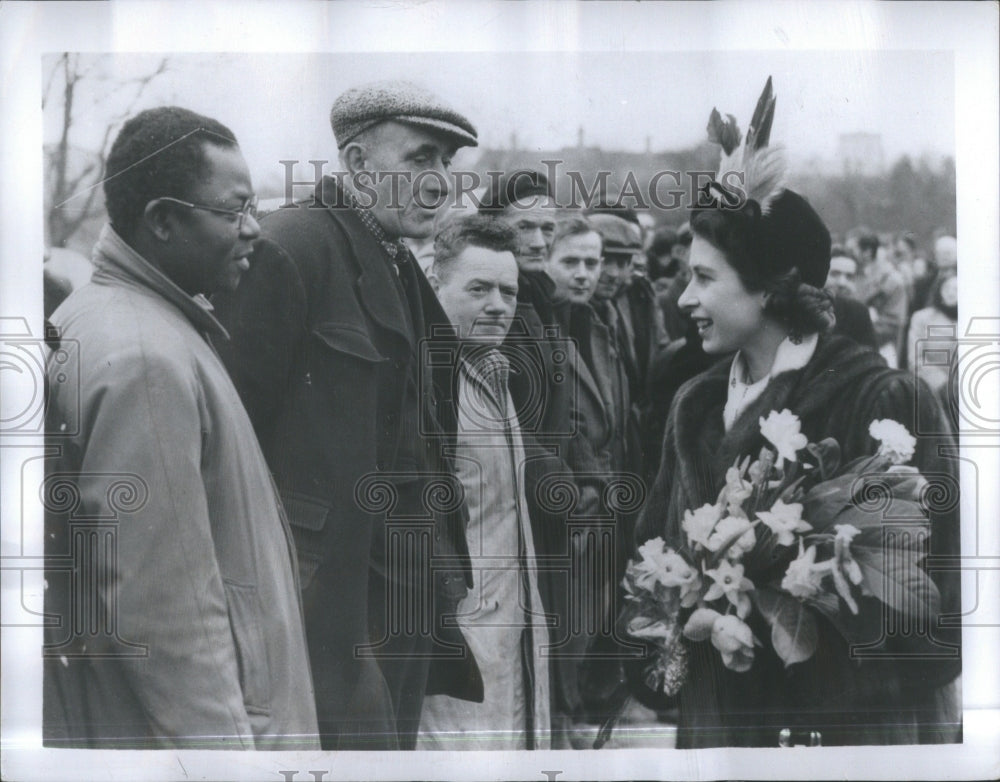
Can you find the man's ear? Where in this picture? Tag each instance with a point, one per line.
(156, 218)
(354, 158)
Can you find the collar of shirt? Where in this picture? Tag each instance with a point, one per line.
(396, 249)
(789, 356)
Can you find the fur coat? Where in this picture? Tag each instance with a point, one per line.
(884, 700)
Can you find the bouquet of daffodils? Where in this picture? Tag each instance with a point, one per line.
(793, 535)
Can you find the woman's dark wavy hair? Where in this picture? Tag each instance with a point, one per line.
(758, 247)
(158, 152)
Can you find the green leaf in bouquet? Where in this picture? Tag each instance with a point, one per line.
(872, 520)
(854, 629)
(765, 553)
(794, 634)
(824, 502)
(837, 490)
(896, 493)
(894, 577)
(826, 455)
(825, 603)
(905, 482)
(787, 494)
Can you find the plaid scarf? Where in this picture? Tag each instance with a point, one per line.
(489, 367)
(396, 249)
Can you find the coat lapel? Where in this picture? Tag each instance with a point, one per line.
(604, 369)
(377, 289)
(591, 386)
(378, 293)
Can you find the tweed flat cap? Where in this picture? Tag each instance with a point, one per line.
(620, 236)
(364, 107)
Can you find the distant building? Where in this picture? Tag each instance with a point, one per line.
(861, 154)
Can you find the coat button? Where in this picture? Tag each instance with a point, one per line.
(379, 466)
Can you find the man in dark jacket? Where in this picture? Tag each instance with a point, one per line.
(627, 305)
(853, 319)
(609, 491)
(524, 201)
(328, 333)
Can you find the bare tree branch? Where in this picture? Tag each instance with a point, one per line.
(81, 187)
(51, 80)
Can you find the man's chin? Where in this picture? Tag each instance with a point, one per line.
(231, 282)
(419, 231)
(419, 226)
(531, 264)
(490, 338)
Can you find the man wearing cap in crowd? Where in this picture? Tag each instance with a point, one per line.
(635, 300)
(524, 201)
(327, 331)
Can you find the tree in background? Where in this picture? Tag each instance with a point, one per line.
(73, 173)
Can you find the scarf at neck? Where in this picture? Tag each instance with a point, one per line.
(742, 392)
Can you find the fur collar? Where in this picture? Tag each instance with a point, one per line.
(833, 373)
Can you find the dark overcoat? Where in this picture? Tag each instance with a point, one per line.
(321, 353)
(884, 700)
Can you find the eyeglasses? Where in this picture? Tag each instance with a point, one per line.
(249, 209)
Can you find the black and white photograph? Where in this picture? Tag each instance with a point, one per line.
(433, 390)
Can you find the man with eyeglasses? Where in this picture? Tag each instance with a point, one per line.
(170, 564)
(329, 352)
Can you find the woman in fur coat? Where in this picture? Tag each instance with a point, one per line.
(758, 270)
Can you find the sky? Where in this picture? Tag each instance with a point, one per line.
(278, 104)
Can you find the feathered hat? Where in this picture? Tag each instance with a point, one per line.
(785, 230)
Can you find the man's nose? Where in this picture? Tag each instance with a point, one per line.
(250, 228)
(536, 239)
(435, 180)
(495, 304)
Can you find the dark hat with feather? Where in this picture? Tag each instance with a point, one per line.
(782, 231)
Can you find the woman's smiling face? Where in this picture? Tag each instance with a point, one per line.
(728, 316)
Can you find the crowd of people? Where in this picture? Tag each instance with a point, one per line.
(379, 502)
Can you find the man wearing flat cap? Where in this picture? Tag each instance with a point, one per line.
(635, 298)
(327, 329)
